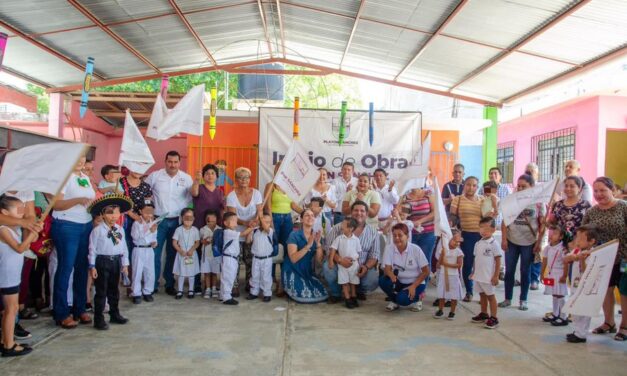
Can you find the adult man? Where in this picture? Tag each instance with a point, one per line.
(454, 187)
(343, 183)
(573, 168)
(388, 193)
(368, 258)
(171, 190)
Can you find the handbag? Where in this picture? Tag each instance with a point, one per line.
(42, 246)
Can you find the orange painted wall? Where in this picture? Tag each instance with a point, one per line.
(440, 166)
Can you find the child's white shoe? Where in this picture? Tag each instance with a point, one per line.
(215, 293)
(391, 307)
(207, 293)
(416, 307)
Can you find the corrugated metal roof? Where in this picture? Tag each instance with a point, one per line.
(109, 11)
(424, 15)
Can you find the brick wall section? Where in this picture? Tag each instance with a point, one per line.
(14, 96)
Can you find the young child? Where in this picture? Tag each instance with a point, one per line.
(110, 175)
(108, 253)
(448, 268)
(490, 204)
(144, 234)
(209, 265)
(265, 246)
(12, 249)
(321, 223)
(226, 244)
(486, 272)
(555, 274)
(347, 245)
(585, 238)
(185, 241)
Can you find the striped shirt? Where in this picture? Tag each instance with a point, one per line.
(469, 212)
(369, 240)
(420, 208)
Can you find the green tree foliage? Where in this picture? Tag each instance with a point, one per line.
(322, 91)
(43, 101)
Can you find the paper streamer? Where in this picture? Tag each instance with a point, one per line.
(296, 127)
(371, 123)
(342, 132)
(3, 45)
(89, 71)
(212, 112)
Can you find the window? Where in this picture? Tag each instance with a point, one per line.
(505, 161)
(550, 151)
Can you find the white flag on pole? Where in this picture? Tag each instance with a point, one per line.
(296, 175)
(186, 117)
(159, 112)
(512, 205)
(442, 227)
(134, 153)
(588, 298)
(42, 168)
(415, 175)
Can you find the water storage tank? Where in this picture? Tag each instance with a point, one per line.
(261, 87)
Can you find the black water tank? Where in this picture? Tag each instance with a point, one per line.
(261, 86)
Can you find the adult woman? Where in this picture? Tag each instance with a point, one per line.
(468, 208)
(326, 191)
(71, 227)
(363, 193)
(297, 272)
(522, 238)
(421, 202)
(568, 212)
(247, 203)
(207, 196)
(406, 269)
(610, 216)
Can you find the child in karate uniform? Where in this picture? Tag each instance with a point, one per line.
(185, 241)
(144, 234)
(265, 246)
(209, 264)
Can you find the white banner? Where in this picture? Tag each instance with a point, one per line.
(134, 152)
(297, 174)
(159, 112)
(396, 140)
(512, 205)
(186, 117)
(415, 175)
(588, 298)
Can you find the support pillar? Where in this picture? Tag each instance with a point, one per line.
(56, 119)
(489, 140)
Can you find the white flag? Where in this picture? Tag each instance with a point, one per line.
(159, 112)
(43, 168)
(588, 298)
(296, 175)
(134, 153)
(442, 227)
(415, 175)
(512, 205)
(186, 117)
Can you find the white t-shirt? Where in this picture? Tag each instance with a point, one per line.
(171, 194)
(388, 200)
(186, 237)
(486, 252)
(408, 263)
(340, 190)
(451, 258)
(262, 245)
(331, 196)
(77, 213)
(244, 213)
(347, 247)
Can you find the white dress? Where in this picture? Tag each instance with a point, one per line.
(209, 263)
(555, 269)
(185, 266)
(454, 283)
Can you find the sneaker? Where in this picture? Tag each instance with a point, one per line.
(467, 298)
(251, 297)
(523, 306)
(198, 292)
(21, 333)
(89, 307)
(438, 314)
(451, 316)
(215, 293)
(179, 295)
(391, 307)
(436, 302)
(482, 317)
(492, 323)
(149, 298)
(207, 294)
(267, 299)
(505, 303)
(416, 307)
(137, 300)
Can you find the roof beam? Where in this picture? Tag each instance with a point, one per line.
(24, 77)
(520, 44)
(192, 31)
(435, 34)
(352, 34)
(262, 14)
(278, 10)
(49, 50)
(113, 35)
(286, 72)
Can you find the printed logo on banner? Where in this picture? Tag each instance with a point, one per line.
(335, 127)
(298, 167)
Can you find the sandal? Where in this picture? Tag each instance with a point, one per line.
(13, 351)
(602, 330)
(621, 337)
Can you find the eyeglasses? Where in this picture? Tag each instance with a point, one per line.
(243, 178)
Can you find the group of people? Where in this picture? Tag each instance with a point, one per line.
(348, 237)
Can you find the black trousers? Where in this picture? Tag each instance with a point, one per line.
(107, 285)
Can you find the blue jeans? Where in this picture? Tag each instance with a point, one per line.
(397, 291)
(426, 242)
(368, 283)
(468, 248)
(525, 252)
(165, 231)
(536, 268)
(283, 226)
(71, 240)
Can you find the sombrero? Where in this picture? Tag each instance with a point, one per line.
(97, 206)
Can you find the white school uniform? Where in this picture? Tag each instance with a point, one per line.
(581, 324)
(208, 262)
(230, 263)
(454, 283)
(11, 262)
(262, 262)
(348, 247)
(322, 224)
(143, 258)
(486, 253)
(554, 255)
(186, 238)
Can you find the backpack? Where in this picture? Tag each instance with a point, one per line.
(218, 246)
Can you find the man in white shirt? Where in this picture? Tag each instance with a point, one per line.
(171, 191)
(343, 183)
(388, 193)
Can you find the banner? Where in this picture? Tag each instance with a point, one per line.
(297, 174)
(42, 168)
(398, 139)
(186, 117)
(159, 112)
(588, 298)
(512, 205)
(134, 152)
(415, 175)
